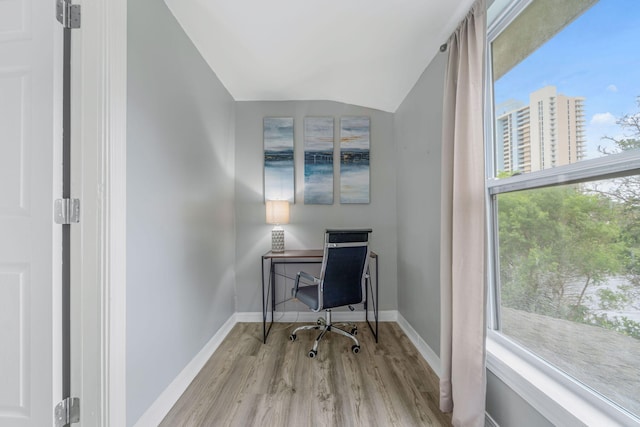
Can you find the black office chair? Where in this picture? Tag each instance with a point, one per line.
(342, 281)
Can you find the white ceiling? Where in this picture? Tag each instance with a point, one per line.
(361, 52)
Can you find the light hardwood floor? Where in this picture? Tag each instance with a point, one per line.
(248, 383)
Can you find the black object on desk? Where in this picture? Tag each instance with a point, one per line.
(312, 256)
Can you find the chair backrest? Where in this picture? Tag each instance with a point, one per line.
(344, 266)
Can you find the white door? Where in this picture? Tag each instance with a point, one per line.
(30, 382)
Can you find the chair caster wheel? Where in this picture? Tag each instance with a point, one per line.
(355, 349)
(320, 322)
(354, 331)
(293, 337)
(312, 353)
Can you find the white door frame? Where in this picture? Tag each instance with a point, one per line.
(99, 101)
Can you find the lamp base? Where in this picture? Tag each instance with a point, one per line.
(277, 240)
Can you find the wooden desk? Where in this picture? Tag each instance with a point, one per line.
(312, 256)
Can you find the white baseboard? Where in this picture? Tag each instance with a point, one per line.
(310, 316)
(423, 348)
(353, 316)
(163, 404)
(432, 358)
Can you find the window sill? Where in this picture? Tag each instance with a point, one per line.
(556, 396)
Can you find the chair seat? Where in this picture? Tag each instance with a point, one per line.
(343, 277)
(309, 296)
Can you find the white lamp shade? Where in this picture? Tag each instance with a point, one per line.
(277, 212)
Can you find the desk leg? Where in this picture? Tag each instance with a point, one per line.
(372, 299)
(271, 289)
(273, 292)
(376, 305)
(264, 308)
(266, 290)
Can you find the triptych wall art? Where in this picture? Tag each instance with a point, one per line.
(319, 150)
(278, 159)
(354, 160)
(318, 160)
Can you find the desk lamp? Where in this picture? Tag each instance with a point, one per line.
(277, 214)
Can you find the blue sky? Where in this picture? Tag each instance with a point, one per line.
(596, 57)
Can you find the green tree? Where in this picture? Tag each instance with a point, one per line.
(626, 190)
(555, 243)
(630, 125)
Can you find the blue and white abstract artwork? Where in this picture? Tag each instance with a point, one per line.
(278, 159)
(354, 160)
(318, 160)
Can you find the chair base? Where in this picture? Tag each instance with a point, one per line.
(325, 325)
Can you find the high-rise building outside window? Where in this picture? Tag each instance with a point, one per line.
(529, 122)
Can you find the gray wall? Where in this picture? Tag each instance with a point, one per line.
(509, 409)
(308, 222)
(180, 205)
(418, 134)
(194, 155)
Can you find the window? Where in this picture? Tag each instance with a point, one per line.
(563, 181)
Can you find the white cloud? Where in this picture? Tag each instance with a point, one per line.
(612, 88)
(603, 119)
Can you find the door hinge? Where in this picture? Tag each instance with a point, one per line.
(68, 14)
(67, 411)
(67, 211)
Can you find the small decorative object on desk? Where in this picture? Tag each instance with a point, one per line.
(277, 214)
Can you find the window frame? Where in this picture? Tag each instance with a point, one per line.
(558, 397)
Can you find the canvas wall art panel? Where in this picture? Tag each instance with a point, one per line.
(318, 160)
(354, 159)
(278, 159)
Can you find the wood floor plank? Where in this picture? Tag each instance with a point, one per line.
(248, 383)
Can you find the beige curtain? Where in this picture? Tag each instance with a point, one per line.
(462, 262)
